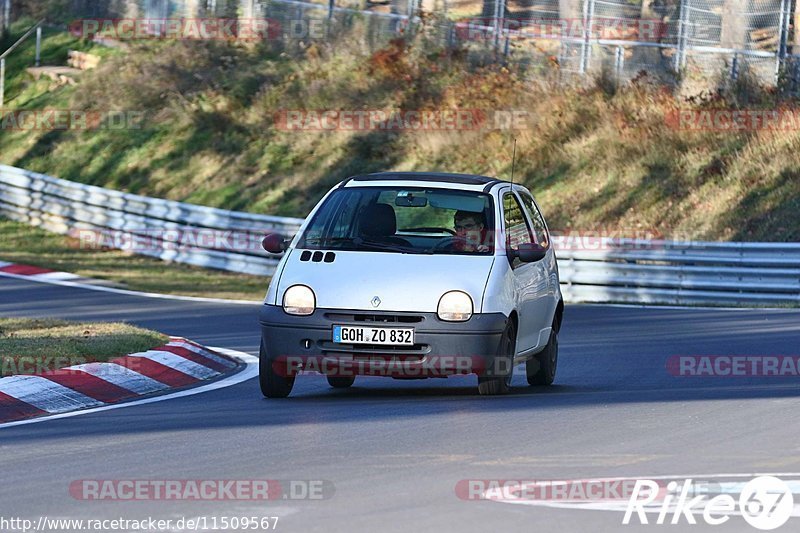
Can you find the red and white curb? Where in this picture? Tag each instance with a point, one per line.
(38, 273)
(178, 364)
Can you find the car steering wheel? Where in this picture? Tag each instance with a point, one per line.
(448, 242)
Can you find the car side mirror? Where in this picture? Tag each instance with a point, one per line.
(528, 252)
(274, 243)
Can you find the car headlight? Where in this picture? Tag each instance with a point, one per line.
(299, 300)
(455, 306)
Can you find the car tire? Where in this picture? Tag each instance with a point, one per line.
(491, 384)
(341, 382)
(273, 385)
(541, 368)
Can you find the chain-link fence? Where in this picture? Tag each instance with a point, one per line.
(708, 40)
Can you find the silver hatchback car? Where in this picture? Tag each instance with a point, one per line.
(410, 276)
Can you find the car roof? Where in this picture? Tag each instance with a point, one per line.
(434, 179)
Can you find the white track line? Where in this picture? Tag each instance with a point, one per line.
(682, 307)
(621, 505)
(55, 276)
(250, 371)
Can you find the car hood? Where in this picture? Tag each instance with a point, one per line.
(402, 282)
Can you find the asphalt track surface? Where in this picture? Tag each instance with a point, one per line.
(396, 449)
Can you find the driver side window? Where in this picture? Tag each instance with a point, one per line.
(517, 230)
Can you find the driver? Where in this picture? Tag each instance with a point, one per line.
(471, 230)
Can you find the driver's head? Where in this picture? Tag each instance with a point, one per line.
(469, 224)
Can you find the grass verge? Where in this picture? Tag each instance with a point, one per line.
(20, 243)
(33, 346)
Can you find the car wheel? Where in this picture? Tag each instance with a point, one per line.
(498, 380)
(273, 385)
(341, 382)
(541, 368)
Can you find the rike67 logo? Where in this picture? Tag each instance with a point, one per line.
(766, 502)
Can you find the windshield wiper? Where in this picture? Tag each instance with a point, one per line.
(358, 241)
(324, 241)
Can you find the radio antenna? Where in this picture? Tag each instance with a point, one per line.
(513, 162)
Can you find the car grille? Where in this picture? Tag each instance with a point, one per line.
(375, 319)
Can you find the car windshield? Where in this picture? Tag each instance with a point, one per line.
(413, 220)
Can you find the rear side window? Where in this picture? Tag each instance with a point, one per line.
(539, 229)
(517, 231)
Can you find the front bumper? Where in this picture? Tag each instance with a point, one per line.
(294, 343)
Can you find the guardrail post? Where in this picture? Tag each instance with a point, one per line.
(783, 37)
(586, 49)
(679, 49)
(38, 44)
(6, 16)
(499, 19)
(411, 9)
(2, 83)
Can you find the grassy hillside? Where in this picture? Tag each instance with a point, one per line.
(598, 158)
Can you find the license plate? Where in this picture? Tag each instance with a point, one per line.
(368, 335)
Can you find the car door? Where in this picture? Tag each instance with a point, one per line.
(541, 236)
(530, 279)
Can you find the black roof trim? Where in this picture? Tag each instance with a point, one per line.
(443, 177)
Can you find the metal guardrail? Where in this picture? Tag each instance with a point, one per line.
(682, 273)
(153, 227)
(619, 270)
